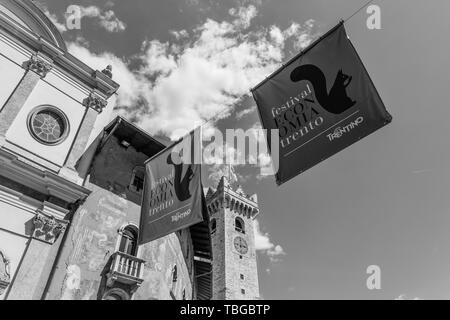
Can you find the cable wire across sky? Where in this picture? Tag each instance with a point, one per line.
(216, 116)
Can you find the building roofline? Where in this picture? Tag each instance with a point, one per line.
(33, 43)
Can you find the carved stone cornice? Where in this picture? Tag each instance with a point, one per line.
(5, 276)
(78, 70)
(234, 200)
(39, 65)
(95, 102)
(39, 178)
(47, 228)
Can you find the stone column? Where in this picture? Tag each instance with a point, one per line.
(94, 104)
(35, 268)
(37, 68)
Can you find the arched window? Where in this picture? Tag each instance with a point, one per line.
(239, 225)
(137, 179)
(213, 225)
(128, 240)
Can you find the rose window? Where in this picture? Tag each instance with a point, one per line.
(48, 125)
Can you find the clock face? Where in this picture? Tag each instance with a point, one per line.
(241, 245)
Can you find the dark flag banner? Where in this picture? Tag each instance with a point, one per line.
(321, 101)
(173, 194)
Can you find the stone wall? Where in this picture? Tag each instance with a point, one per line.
(235, 274)
(93, 237)
(237, 263)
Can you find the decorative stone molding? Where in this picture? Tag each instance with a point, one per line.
(5, 276)
(95, 102)
(47, 228)
(79, 71)
(43, 181)
(39, 65)
(235, 200)
(108, 71)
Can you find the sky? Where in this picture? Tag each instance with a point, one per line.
(382, 201)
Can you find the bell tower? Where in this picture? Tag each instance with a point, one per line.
(232, 214)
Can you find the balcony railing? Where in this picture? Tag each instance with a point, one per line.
(127, 269)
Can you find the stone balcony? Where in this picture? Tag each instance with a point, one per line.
(127, 270)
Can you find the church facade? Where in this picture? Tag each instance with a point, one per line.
(71, 184)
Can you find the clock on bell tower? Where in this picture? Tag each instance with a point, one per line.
(232, 215)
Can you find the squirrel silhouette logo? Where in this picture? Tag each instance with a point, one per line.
(181, 185)
(336, 101)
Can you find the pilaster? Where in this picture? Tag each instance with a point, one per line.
(36, 68)
(32, 275)
(95, 105)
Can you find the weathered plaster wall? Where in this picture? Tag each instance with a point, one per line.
(93, 237)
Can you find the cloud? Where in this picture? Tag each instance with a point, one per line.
(264, 244)
(130, 83)
(304, 34)
(243, 113)
(181, 34)
(54, 19)
(110, 22)
(243, 15)
(182, 83)
(107, 19)
(192, 81)
(217, 171)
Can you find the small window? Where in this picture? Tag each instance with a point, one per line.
(242, 276)
(174, 274)
(240, 257)
(213, 225)
(137, 179)
(128, 241)
(239, 225)
(243, 291)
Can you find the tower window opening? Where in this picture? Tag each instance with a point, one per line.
(213, 225)
(239, 225)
